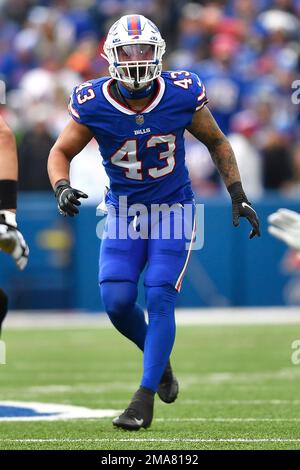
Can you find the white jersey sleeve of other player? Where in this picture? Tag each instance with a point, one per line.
(285, 225)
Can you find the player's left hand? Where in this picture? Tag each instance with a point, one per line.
(11, 240)
(241, 207)
(285, 225)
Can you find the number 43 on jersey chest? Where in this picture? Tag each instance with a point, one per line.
(142, 148)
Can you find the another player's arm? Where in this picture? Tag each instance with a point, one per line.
(285, 225)
(8, 154)
(11, 240)
(71, 141)
(205, 129)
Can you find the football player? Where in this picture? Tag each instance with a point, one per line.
(285, 225)
(138, 116)
(11, 240)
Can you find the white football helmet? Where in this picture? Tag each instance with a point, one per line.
(134, 49)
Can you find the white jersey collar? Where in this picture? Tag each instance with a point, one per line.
(124, 109)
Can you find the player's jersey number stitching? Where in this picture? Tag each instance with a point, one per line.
(169, 155)
(88, 95)
(127, 157)
(184, 82)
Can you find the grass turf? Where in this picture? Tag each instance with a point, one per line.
(239, 389)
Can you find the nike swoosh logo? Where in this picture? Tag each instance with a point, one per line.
(139, 422)
(244, 204)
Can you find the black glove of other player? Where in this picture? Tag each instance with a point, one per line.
(68, 198)
(241, 207)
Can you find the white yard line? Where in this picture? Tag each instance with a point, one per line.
(80, 388)
(186, 382)
(228, 420)
(215, 420)
(192, 402)
(158, 440)
(273, 402)
(109, 414)
(185, 317)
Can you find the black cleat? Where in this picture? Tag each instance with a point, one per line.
(168, 387)
(139, 413)
(3, 307)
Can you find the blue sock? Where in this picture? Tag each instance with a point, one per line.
(126, 315)
(160, 334)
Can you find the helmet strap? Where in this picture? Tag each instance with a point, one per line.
(136, 94)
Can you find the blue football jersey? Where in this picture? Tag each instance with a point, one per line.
(143, 152)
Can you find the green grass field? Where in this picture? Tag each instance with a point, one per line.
(239, 389)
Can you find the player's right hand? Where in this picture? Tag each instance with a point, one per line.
(68, 198)
(11, 240)
(285, 225)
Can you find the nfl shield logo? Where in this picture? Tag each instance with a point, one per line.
(139, 119)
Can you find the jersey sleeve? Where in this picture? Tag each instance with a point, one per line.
(81, 103)
(199, 92)
(73, 107)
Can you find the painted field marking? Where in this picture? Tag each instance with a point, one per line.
(35, 411)
(275, 402)
(147, 440)
(229, 420)
(192, 402)
(186, 382)
(219, 420)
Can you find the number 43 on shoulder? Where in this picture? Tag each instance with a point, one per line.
(183, 82)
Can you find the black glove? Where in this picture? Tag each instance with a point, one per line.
(241, 207)
(3, 307)
(67, 198)
(11, 240)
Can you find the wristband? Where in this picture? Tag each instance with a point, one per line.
(59, 184)
(8, 194)
(236, 192)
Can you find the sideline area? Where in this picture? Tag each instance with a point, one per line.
(215, 316)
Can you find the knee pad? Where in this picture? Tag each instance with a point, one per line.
(118, 297)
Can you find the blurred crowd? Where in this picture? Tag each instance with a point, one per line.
(247, 52)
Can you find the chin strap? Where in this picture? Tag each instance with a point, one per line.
(136, 94)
